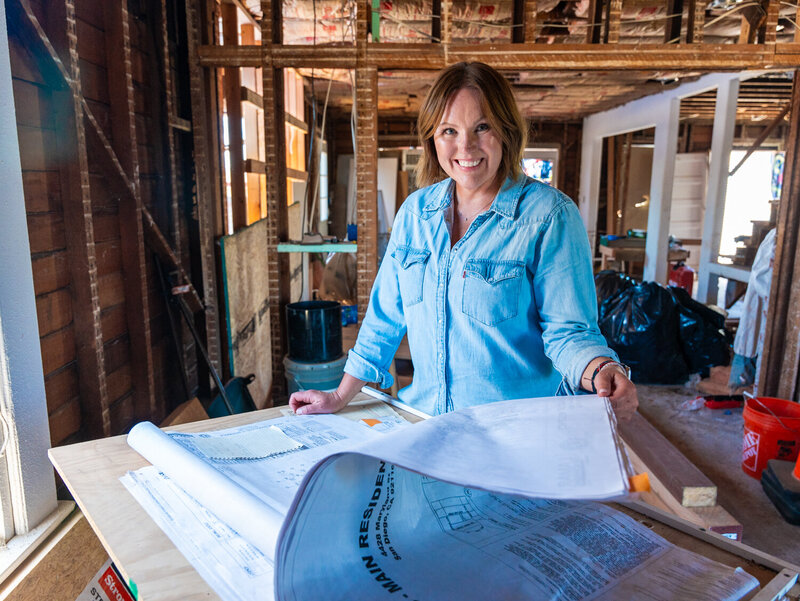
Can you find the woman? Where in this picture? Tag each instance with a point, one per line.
(487, 270)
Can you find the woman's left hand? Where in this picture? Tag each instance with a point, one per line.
(611, 382)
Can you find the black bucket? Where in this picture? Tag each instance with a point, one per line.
(314, 331)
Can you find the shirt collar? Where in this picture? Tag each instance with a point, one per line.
(505, 203)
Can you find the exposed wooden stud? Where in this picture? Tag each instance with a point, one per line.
(613, 17)
(612, 182)
(436, 20)
(180, 124)
(232, 85)
(294, 121)
(595, 21)
(123, 125)
(243, 7)
(781, 355)
(297, 174)
(367, 183)
(769, 33)
(158, 243)
(672, 27)
(619, 222)
(797, 21)
(529, 21)
(252, 97)
(277, 264)
(447, 9)
(77, 207)
(208, 196)
(696, 21)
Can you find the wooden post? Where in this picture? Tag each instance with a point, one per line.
(769, 33)
(134, 256)
(529, 21)
(721, 143)
(277, 213)
(447, 6)
(664, 151)
(781, 353)
(595, 20)
(232, 90)
(697, 17)
(612, 182)
(672, 27)
(208, 195)
(619, 227)
(613, 17)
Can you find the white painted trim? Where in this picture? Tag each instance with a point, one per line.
(721, 144)
(663, 173)
(650, 111)
(22, 395)
(22, 546)
(731, 272)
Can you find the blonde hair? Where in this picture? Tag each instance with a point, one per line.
(498, 105)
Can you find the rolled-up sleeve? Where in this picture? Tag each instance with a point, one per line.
(565, 294)
(383, 326)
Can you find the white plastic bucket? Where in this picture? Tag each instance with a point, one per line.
(314, 376)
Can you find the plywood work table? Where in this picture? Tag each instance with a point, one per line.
(160, 572)
(627, 255)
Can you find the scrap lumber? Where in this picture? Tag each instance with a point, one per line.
(680, 477)
(714, 518)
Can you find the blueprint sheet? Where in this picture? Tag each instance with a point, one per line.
(485, 503)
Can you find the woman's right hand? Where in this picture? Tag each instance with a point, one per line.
(305, 402)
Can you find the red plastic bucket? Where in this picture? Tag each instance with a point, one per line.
(771, 431)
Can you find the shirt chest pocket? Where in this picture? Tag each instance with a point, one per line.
(491, 290)
(411, 273)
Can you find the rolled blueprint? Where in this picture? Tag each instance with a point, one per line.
(251, 517)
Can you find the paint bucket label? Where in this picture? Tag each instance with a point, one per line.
(750, 450)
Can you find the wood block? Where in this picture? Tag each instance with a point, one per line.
(713, 518)
(61, 567)
(188, 411)
(681, 477)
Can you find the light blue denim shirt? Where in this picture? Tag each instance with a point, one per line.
(506, 313)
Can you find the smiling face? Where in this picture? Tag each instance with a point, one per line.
(467, 147)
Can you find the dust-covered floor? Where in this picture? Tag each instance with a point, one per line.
(712, 440)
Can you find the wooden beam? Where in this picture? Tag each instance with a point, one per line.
(536, 57)
(158, 243)
(232, 84)
(679, 475)
(613, 17)
(593, 27)
(529, 21)
(180, 124)
(760, 139)
(780, 358)
(367, 188)
(697, 18)
(277, 264)
(672, 26)
(612, 182)
(123, 128)
(298, 123)
(208, 195)
(619, 223)
(769, 32)
(721, 143)
(252, 97)
(436, 21)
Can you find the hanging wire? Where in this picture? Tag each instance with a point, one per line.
(6, 434)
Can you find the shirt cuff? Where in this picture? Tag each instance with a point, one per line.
(358, 367)
(582, 359)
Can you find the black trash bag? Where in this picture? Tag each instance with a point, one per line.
(702, 334)
(640, 323)
(608, 282)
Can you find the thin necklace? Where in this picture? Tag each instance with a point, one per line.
(467, 219)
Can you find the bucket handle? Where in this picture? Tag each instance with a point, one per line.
(785, 427)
